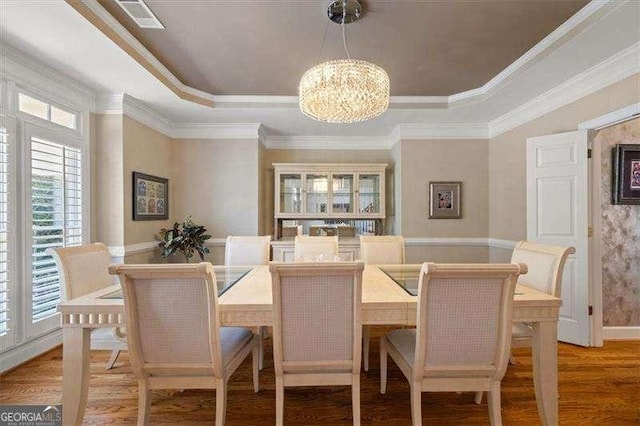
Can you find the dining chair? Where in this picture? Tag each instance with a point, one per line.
(546, 266)
(174, 333)
(249, 250)
(382, 249)
(462, 335)
(308, 248)
(82, 270)
(317, 327)
(379, 250)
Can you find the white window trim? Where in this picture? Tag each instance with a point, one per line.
(11, 338)
(35, 79)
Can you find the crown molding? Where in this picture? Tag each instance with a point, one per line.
(616, 68)
(569, 29)
(109, 103)
(121, 103)
(615, 117)
(328, 142)
(441, 131)
(26, 70)
(217, 131)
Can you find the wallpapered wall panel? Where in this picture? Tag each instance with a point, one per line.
(620, 236)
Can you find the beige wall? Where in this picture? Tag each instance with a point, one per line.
(147, 151)
(507, 153)
(217, 183)
(108, 179)
(444, 160)
(620, 235)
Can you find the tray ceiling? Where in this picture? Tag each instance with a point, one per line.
(429, 48)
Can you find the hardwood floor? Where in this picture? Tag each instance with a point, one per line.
(597, 386)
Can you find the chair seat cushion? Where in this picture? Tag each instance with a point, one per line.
(404, 340)
(520, 330)
(232, 339)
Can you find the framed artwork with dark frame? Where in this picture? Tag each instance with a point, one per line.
(150, 197)
(445, 200)
(626, 174)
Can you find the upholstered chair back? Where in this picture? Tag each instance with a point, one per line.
(545, 263)
(82, 269)
(171, 316)
(382, 250)
(317, 314)
(464, 318)
(247, 250)
(308, 248)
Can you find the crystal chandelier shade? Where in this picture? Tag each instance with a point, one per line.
(344, 91)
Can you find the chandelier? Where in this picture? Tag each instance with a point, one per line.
(344, 90)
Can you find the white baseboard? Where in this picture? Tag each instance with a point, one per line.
(25, 352)
(621, 333)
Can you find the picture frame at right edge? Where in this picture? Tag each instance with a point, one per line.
(445, 200)
(626, 174)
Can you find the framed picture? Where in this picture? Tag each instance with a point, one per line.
(150, 197)
(444, 200)
(626, 174)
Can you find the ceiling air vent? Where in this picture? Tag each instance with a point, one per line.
(140, 13)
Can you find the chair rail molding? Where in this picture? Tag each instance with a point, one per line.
(127, 250)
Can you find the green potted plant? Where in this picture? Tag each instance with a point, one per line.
(186, 238)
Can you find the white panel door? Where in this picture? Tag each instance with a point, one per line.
(557, 214)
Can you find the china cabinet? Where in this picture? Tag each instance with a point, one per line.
(329, 192)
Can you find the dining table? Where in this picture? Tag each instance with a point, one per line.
(389, 297)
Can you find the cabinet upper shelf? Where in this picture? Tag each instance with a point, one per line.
(329, 190)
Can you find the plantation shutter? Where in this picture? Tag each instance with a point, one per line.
(7, 289)
(56, 215)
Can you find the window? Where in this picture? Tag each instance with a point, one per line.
(44, 203)
(55, 210)
(45, 111)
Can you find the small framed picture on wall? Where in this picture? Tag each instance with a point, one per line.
(445, 200)
(626, 174)
(150, 197)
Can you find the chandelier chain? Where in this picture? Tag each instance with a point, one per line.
(344, 40)
(324, 36)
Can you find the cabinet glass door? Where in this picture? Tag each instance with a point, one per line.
(369, 193)
(317, 193)
(343, 193)
(291, 193)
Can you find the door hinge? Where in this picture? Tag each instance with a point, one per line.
(590, 232)
(588, 152)
(590, 310)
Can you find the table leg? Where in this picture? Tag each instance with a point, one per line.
(75, 373)
(545, 370)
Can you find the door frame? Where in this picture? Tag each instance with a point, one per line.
(595, 212)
